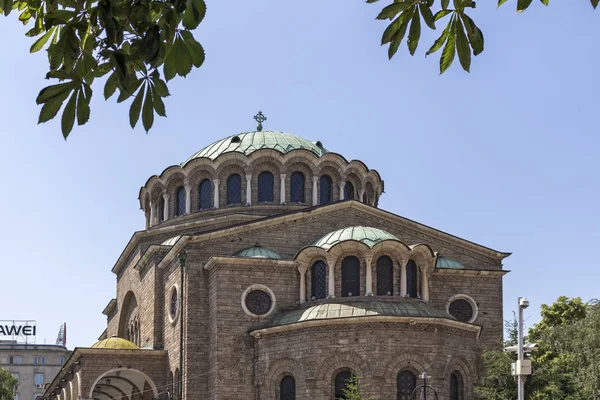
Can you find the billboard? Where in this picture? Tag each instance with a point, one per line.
(21, 331)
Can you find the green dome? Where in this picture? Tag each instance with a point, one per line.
(249, 142)
(359, 308)
(363, 234)
(258, 252)
(448, 263)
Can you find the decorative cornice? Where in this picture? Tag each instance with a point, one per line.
(242, 261)
(110, 307)
(491, 273)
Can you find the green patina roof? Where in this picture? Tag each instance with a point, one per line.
(448, 263)
(358, 308)
(250, 142)
(171, 241)
(364, 234)
(258, 252)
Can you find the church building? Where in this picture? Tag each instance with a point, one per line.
(267, 271)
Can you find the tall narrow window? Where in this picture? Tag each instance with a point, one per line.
(341, 382)
(234, 189)
(176, 384)
(38, 380)
(62, 360)
(43, 360)
(348, 191)
(161, 209)
(266, 187)
(456, 386)
(350, 277)
(411, 279)
(205, 195)
(406, 382)
(180, 209)
(297, 187)
(171, 387)
(318, 280)
(35, 360)
(326, 186)
(287, 388)
(385, 276)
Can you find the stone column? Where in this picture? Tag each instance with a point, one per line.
(248, 189)
(425, 285)
(315, 201)
(151, 215)
(302, 269)
(188, 198)
(403, 279)
(361, 195)
(216, 194)
(282, 189)
(369, 277)
(331, 278)
(166, 209)
(342, 190)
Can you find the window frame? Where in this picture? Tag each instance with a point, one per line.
(346, 281)
(200, 193)
(313, 281)
(180, 201)
(379, 275)
(287, 396)
(263, 189)
(298, 175)
(229, 200)
(325, 178)
(414, 279)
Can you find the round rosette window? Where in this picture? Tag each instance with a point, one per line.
(463, 308)
(258, 301)
(173, 304)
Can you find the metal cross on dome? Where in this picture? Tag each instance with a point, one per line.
(260, 118)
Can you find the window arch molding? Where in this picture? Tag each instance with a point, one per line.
(400, 361)
(403, 388)
(279, 369)
(335, 362)
(299, 164)
(173, 183)
(230, 167)
(265, 187)
(260, 165)
(460, 364)
(174, 291)
(196, 176)
(469, 299)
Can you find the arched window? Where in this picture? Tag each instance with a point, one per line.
(348, 191)
(297, 187)
(234, 189)
(171, 387)
(266, 187)
(350, 277)
(341, 382)
(456, 386)
(35, 360)
(161, 209)
(318, 280)
(411, 279)
(205, 195)
(385, 276)
(43, 360)
(326, 185)
(176, 384)
(180, 210)
(406, 382)
(287, 388)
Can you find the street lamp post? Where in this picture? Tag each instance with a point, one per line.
(423, 388)
(522, 367)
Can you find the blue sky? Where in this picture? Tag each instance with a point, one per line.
(507, 156)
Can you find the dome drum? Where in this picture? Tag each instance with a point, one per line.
(272, 168)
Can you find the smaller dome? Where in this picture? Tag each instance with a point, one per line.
(364, 234)
(115, 342)
(448, 263)
(258, 252)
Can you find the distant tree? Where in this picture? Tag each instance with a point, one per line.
(354, 391)
(566, 365)
(8, 385)
(132, 42)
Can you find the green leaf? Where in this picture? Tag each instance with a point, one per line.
(427, 15)
(545, 2)
(441, 14)
(136, 107)
(68, 117)
(393, 9)
(372, 1)
(83, 105)
(6, 6)
(595, 3)
(399, 36)
(39, 44)
(474, 33)
(195, 48)
(449, 49)
(522, 5)
(183, 61)
(170, 66)
(462, 46)
(61, 16)
(50, 92)
(439, 42)
(148, 112)
(445, 4)
(414, 34)
(194, 13)
(110, 86)
(159, 106)
(391, 30)
(51, 107)
(160, 87)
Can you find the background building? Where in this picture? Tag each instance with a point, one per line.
(267, 271)
(33, 365)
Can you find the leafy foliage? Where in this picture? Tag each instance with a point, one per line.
(461, 37)
(567, 362)
(127, 41)
(8, 385)
(353, 390)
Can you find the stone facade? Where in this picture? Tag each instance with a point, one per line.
(250, 323)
